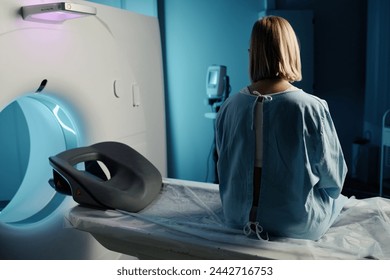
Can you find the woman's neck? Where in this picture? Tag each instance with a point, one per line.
(270, 86)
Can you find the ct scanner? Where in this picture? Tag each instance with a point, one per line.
(64, 85)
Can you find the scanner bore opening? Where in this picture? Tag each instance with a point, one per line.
(32, 128)
(14, 152)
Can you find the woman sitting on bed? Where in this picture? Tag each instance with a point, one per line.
(281, 168)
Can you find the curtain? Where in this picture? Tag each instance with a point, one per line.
(377, 92)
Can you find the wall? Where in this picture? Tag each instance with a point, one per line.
(145, 7)
(198, 34)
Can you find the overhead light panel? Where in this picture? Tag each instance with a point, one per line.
(56, 12)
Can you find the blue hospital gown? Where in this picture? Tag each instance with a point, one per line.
(303, 164)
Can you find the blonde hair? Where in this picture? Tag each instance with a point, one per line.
(274, 50)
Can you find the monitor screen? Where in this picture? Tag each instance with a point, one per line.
(215, 81)
(213, 78)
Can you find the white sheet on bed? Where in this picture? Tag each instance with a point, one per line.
(187, 219)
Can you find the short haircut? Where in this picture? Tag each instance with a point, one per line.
(274, 50)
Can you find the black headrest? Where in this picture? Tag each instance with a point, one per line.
(130, 182)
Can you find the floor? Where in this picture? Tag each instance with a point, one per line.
(359, 189)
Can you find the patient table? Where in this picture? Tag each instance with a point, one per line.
(186, 222)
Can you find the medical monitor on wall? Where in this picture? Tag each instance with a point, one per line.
(215, 81)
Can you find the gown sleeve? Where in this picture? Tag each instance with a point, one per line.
(329, 166)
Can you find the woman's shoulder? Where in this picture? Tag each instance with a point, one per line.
(304, 99)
